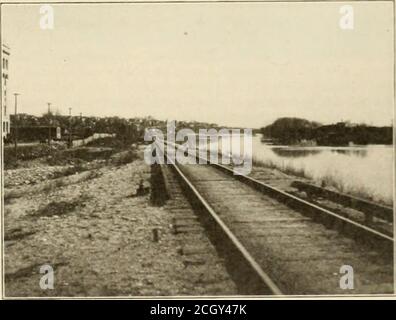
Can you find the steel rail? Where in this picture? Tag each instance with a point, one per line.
(254, 279)
(307, 208)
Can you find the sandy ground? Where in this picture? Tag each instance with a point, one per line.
(98, 235)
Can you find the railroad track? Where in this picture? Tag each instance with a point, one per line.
(275, 243)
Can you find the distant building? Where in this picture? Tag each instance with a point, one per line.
(5, 115)
(38, 133)
(347, 124)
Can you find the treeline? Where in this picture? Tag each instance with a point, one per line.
(297, 131)
(35, 128)
(290, 130)
(32, 127)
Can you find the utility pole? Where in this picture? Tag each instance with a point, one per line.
(49, 124)
(16, 127)
(70, 138)
(82, 128)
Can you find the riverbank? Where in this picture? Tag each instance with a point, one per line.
(286, 182)
(332, 180)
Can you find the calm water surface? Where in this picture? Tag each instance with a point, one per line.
(368, 168)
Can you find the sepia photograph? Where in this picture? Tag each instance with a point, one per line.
(197, 149)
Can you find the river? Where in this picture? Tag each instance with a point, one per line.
(361, 170)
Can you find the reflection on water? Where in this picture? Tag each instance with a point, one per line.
(294, 153)
(367, 169)
(359, 152)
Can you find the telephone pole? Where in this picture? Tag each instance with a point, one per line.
(16, 126)
(49, 124)
(81, 128)
(70, 137)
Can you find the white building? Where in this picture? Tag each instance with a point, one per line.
(5, 110)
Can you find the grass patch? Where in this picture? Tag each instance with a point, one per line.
(23, 272)
(28, 271)
(49, 187)
(69, 171)
(125, 157)
(78, 156)
(328, 180)
(28, 152)
(17, 234)
(264, 163)
(298, 172)
(285, 168)
(8, 196)
(58, 183)
(357, 191)
(59, 208)
(107, 142)
(93, 174)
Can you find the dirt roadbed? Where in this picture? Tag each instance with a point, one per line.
(101, 234)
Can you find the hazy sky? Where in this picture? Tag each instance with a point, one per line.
(233, 64)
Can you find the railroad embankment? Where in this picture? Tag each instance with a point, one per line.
(105, 230)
